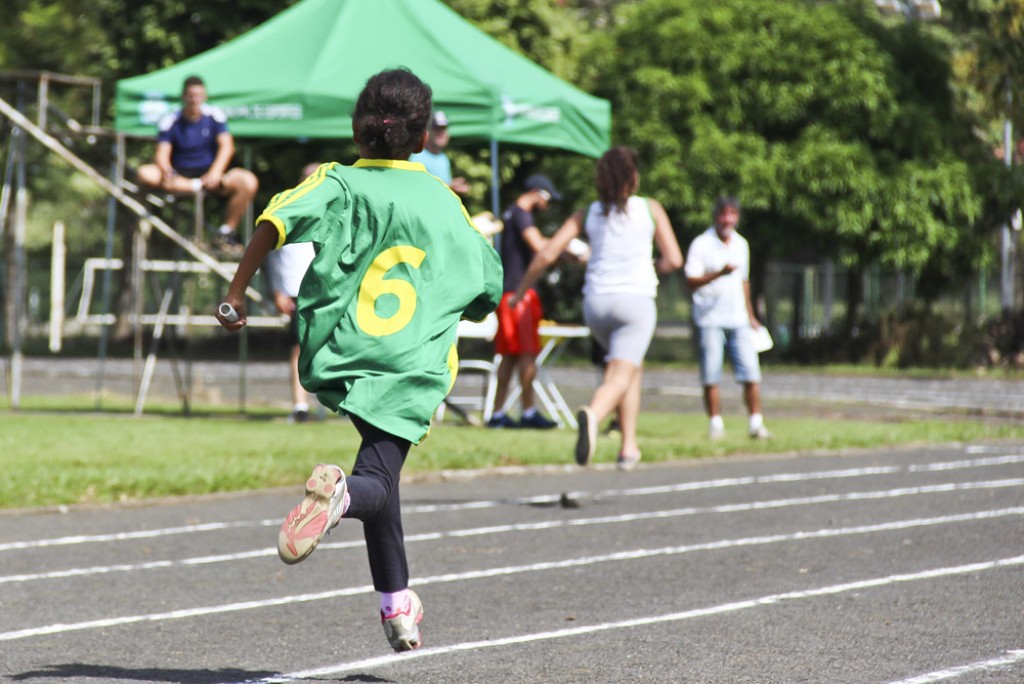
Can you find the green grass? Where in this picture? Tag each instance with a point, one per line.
(70, 457)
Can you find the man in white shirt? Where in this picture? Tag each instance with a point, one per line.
(718, 273)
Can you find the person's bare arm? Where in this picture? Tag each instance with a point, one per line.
(534, 239)
(548, 253)
(670, 257)
(283, 303)
(264, 239)
(695, 282)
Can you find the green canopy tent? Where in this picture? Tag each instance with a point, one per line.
(298, 76)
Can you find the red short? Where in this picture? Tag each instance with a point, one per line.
(517, 328)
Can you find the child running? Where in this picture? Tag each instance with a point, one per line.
(398, 264)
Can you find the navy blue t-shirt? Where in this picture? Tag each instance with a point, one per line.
(516, 255)
(193, 143)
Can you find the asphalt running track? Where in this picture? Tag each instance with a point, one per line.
(892, 567)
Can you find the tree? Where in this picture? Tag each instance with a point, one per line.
(840, 135)
(988, 72)
(989, 57)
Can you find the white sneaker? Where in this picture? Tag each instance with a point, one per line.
(627, 461)
(760, 432)
(402, 627)
(319, 511)
(716, 433)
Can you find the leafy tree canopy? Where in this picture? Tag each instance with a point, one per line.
(838, 133)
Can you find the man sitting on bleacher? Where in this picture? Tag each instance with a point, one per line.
(193, 150)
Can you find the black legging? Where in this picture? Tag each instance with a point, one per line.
(374, 499)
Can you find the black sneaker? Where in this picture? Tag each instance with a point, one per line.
(613, 427)
(299, 416)
(586, 435)
(500, 422)
(537, 422)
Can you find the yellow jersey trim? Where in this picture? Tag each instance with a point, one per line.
(286, 197)
(277, 223)
(390, 164)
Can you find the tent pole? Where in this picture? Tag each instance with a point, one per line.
(495, 190)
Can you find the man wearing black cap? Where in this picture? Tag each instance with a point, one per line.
(517, 340)
(435, 158)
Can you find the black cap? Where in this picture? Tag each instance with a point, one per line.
(539, 181)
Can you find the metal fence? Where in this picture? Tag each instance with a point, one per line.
(797, 301)
(802, 301)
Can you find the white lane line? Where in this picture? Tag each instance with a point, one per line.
(1003, 661)
(733, 508)
(1005, 459)
(135, 567)
(635, 554)
(732, 607)
(126, 536)
(989, 448)
(789, 477)
(529, 527)
(543, 499)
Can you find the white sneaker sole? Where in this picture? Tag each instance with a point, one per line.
(306, 524)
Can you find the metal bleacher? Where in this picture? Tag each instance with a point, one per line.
(59, 133)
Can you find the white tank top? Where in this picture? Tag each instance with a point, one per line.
(621, 250)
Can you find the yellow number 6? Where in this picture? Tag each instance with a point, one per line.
(374, 286)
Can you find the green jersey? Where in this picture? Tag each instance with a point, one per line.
(398, 263)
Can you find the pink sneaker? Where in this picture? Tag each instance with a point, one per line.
(318, 512)
(402, 627)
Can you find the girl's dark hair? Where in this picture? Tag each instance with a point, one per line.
(616, 175)
(392, 112)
